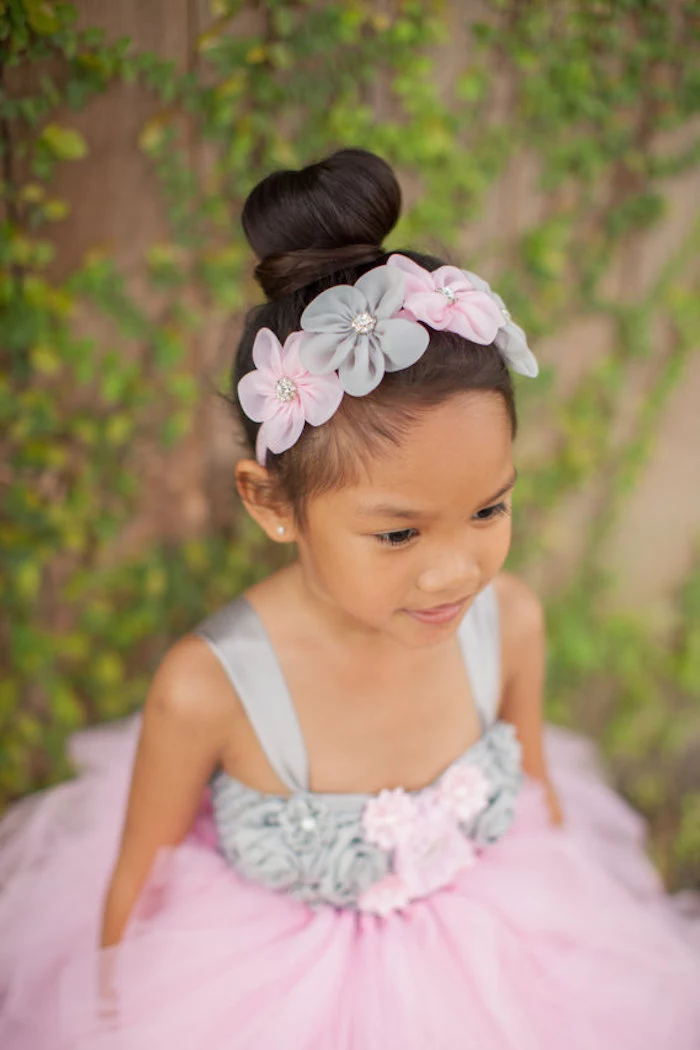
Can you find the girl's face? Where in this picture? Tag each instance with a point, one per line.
(404, 552)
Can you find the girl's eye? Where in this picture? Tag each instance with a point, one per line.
(397, 538)
(495, 511)
(400, 537)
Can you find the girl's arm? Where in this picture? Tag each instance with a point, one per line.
(523, 656)
(184, 722)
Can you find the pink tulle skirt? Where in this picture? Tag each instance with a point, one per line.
(558, 939)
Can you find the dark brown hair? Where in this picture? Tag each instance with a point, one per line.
(323, 226)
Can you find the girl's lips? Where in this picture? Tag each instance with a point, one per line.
(439, 614)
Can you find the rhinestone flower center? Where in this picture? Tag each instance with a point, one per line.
(364, 323)
(449, 295)
(285, 389)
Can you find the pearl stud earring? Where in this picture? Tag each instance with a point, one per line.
(281, 530)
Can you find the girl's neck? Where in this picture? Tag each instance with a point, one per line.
(309, 612)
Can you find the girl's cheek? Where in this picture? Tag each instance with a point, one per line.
(505, 542)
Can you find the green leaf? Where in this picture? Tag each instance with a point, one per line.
(32, 192)
(153, 135)
(45, 360)
(42, 16)
(54, 210)
(64, 143)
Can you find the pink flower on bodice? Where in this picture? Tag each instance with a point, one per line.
(429, 849)
(388, 819)
(435, 851)
(464, 790)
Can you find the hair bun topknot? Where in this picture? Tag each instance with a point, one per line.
(306, 224)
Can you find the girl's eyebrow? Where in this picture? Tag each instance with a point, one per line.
(506, 488)
(386, 510)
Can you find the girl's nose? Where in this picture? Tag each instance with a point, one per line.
(454, 575)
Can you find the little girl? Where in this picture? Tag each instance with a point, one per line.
(333, 826)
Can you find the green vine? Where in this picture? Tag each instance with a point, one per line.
(585, 90)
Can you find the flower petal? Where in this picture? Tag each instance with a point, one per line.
(510, 340)
(451, 277)
(257, 396)
(383, 288)
(320, 397)
(481, 285)
(363, 368)
(267, 351)
(290, 356)
(284, 428)
(402, 342)
(334, 309)
(324, 352)
(475, 316)
(261, 447)
(429, 306)
(512, 343)
(416, 278)
(402, 262)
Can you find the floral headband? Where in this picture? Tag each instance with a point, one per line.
(352, 334)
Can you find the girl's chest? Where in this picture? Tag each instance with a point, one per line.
(366, 729)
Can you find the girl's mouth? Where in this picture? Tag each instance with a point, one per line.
(439, 614)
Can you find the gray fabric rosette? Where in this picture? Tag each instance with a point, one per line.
(499, 755)
(299, 844)
(351, 329)
(510, 340)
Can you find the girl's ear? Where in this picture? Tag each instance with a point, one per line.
(261, 500)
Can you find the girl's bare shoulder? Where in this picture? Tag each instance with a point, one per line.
(521, 615)
(190, 686)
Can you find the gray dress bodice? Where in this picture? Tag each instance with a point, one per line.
(315, 846)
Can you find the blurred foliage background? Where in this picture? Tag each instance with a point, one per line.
(551, 146)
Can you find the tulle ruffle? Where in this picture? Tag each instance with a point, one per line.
(556, 938)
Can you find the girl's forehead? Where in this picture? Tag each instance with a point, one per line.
(469, 429)
(456, 483)
(457, 451)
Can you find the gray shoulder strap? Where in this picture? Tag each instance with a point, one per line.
(237, 637)
(480, 639)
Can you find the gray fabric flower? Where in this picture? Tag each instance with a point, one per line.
(495, 820)
(511, 339)
(351, 329)
(306, 824)
(506, 748)
(249, 835)
(352, 865)
(498, 755)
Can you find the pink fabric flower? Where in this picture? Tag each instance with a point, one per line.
(464, 790)
(388, 818)
(448, 301)
(429, 849)
(282, 395)
(385, 896)
(435, 851)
